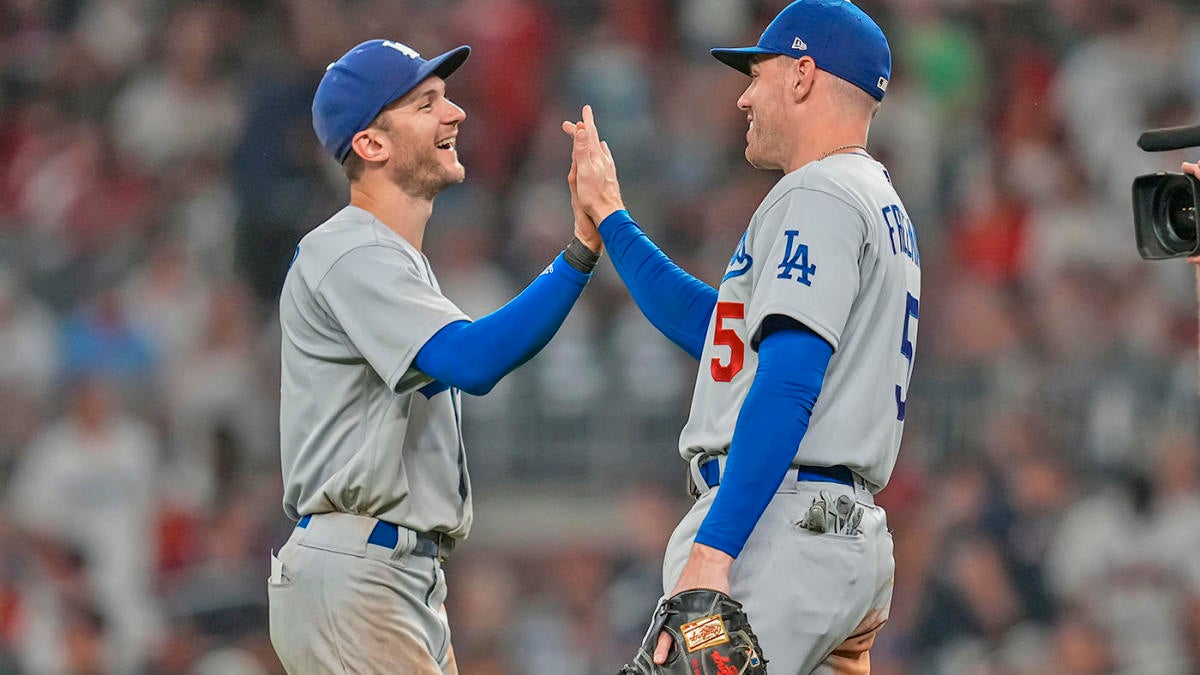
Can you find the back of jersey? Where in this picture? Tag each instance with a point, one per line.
(832, 247)
(866, 387)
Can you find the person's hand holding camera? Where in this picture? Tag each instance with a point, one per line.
(1193, 170)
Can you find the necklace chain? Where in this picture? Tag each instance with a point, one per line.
(844, 147)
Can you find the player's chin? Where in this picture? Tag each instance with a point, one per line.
(754, 159)
(451, 173)
(451, 176)
(761, 160)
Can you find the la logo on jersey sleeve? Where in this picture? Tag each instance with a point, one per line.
(795, 265)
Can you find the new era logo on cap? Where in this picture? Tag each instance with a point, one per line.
(882, 84)
(799, 44)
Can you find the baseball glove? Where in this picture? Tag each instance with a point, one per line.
(712, 637)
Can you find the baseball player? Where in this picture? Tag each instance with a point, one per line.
(374, 358)
(805, 350)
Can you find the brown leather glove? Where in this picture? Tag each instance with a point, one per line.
(711, 633)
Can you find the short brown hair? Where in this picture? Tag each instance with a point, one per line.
(852, 98)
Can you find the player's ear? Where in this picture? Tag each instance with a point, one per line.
(372, 145)
(802, 72)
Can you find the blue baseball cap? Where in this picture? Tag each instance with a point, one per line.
(839, 37)
(364, 81)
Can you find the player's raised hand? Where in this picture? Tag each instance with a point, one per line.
(596, 186)
(585, 227)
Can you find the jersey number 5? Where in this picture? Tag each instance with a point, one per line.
(728, 338)
(912, 311)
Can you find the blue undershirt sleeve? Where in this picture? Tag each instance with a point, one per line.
(677, 303)
(770, 426)
(474, 355)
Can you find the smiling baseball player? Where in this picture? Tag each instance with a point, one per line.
(374, 357)
(805, 350)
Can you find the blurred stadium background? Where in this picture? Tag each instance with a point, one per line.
(158, 167)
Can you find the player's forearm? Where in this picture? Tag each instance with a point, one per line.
(770, 426)
(474, 355)
(677, 303)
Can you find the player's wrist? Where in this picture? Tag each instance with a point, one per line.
(589, 237)
(605, 210)
(612, 221)
(580, 256)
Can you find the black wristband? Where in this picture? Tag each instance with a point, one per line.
(579, 256)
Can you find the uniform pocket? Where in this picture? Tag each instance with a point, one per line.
(840, 517)
(832, 536)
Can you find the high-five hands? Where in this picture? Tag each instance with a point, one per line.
(593, 178)
(585, 227)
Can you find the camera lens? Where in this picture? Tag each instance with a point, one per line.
(1164, 215)
(1180, 212)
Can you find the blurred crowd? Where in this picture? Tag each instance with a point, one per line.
(157, 167)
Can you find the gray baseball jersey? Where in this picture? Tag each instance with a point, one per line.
(362, 431)
(832, 247)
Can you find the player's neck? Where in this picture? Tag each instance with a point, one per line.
(401, 212)
(826, 147)
(837, 136)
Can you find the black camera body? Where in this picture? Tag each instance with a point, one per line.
(1164, 204)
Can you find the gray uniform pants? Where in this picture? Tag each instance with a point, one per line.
(341, 605)
(815, 601)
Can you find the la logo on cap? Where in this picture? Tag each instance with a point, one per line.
(402, 48)
(799, 44)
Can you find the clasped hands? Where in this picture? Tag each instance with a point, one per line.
(595, 193)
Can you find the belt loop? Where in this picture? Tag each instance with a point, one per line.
(443, 546)
(406, 542)
(699, 485)
(861, 492)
